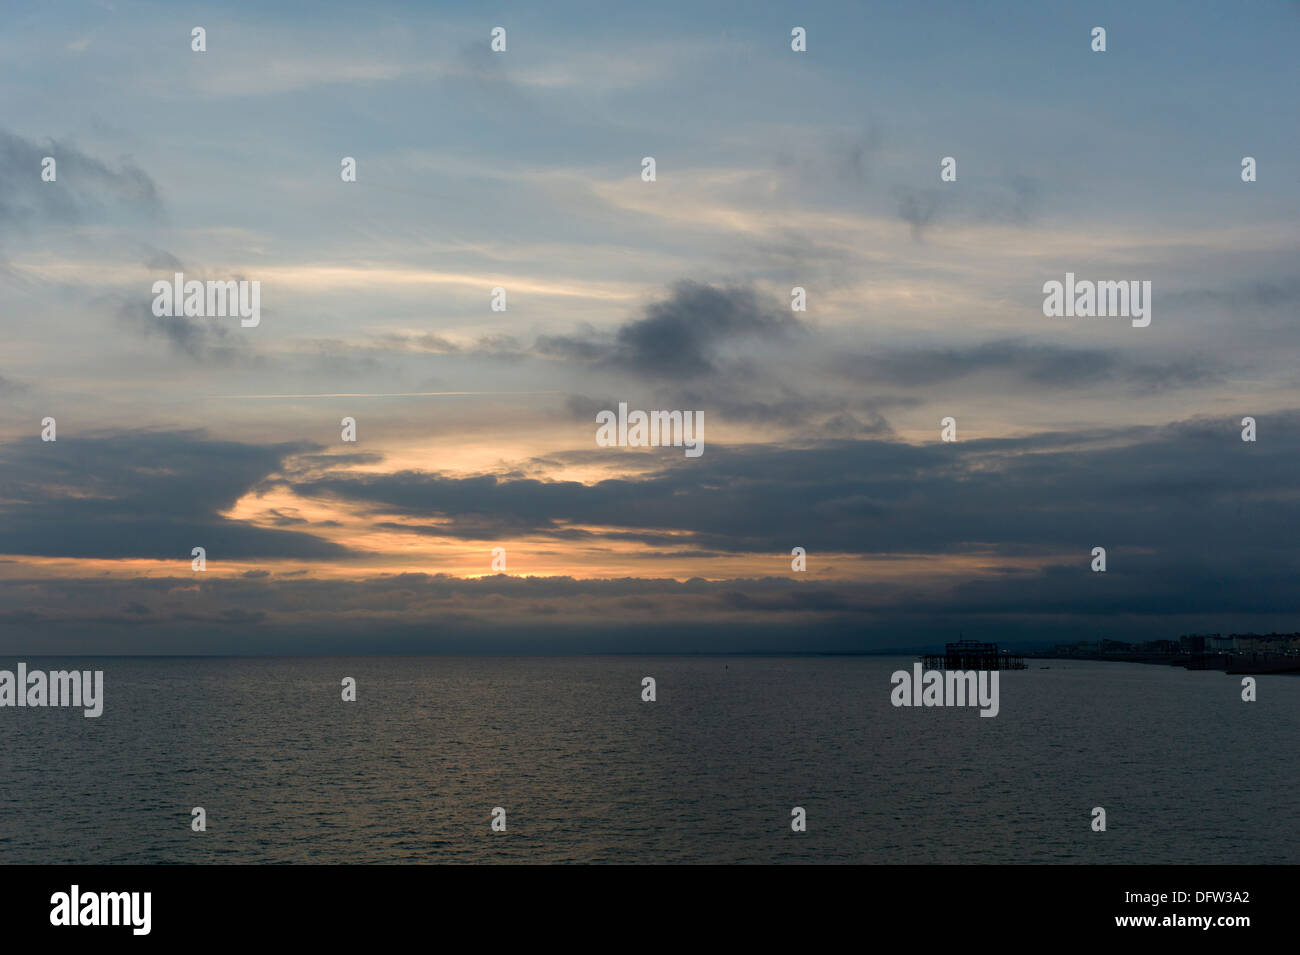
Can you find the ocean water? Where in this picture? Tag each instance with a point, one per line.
(587, 772)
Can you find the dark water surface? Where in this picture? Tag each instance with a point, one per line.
(587, 772)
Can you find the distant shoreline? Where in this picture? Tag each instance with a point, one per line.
(1244, 663)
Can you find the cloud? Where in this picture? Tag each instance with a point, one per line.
(1256, 293)
(919, 208)
(1173, 491)
(209, 340)
(685, 335)
(86, 189)
(212, 341)
(10, 387)
(1185, 546)
(1044, 366)
(844, 158)
(160, 260)
(147, 494)
(1013, 202)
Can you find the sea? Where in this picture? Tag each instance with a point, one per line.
(577, 768)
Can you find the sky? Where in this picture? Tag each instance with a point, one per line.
(522, 170)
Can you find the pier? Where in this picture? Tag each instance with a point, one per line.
(973, 655)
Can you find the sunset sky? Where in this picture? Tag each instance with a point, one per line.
(476, 428)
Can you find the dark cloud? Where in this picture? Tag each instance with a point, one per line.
(773, 406)
(140, 494)
(919, 208)
(589, 347)
(478, 74)
(86, 189)
(1199, 528)
(849, 159)
(685, 335)
(1173, 491)
(1042, 365)
(211, 341)
(423, 612)
(1257, 293)
(1014, 201)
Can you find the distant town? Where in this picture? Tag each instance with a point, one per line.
(1235, 653)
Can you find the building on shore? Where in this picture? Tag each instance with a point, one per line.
(1267, 643)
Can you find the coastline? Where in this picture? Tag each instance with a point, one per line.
(1232, 663)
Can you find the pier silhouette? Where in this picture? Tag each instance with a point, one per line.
(973, 655)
